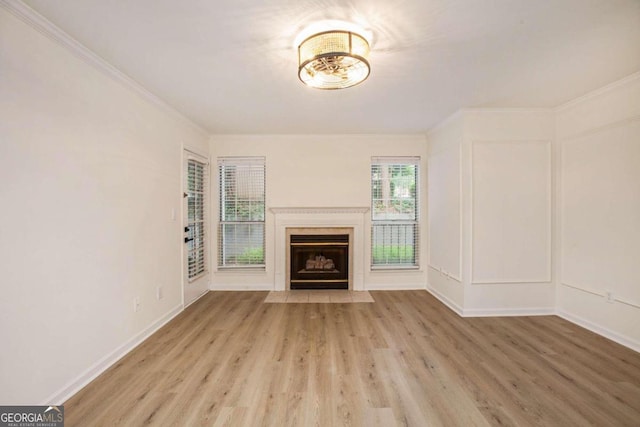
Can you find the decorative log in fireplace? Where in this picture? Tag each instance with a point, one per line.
(319, 261)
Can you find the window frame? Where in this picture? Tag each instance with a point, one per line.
(223, 247)
(197, 228)
(395, 224)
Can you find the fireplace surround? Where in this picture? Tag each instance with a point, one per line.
(319, 221)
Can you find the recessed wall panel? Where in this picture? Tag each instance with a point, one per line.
(444, 211)
(511, 212)
(601, 211)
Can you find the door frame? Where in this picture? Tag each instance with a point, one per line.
(193, 290)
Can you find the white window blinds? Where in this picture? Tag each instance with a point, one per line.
(196, 231)
(242, 211)
(394, 209)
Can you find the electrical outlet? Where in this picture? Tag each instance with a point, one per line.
(159, 293)
(136, 304)
(610, 297)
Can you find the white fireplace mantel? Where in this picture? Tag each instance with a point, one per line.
(328, 210)
(319, 217)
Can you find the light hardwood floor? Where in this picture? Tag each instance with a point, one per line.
(231, 359)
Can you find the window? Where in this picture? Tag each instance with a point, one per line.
(394, 212)
(241, 229)
(196, 230)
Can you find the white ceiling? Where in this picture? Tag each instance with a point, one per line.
(231, 66)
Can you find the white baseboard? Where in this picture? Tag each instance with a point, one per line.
(490, 312)
(242, 287)
(197, 298)
(393, 286)
(446, 301)
(59, 397)
(600, 330)
(271, 286)
(508, 312)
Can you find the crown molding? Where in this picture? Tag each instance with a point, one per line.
(600, 91)
(482, 110)
(56, 34)
(445, 122)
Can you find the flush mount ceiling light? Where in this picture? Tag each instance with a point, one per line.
(335, 59)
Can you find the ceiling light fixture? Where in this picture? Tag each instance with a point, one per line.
(335, 59)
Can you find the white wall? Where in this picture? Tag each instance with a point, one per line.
(490, 201)
(600, 211)
(445, 212)
(318, 171)
(550, 211)
(508, 193)
(90, 174)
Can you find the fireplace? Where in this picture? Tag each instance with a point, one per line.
(290, 221)
(319, 261)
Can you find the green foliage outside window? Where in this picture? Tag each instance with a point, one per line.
(398, 254)
(250, 256)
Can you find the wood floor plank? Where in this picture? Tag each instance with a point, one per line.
(231, 359)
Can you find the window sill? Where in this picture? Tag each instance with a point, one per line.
(241, 269)
(395, 268)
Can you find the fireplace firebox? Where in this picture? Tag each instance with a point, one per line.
(319, 261)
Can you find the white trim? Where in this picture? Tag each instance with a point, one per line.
(319, 218)
(558, 212)
(445, 122)
(109, 360)
(469, 110)
(625, 302)
(242, 160)
(214, 287)
(519, 110)
(254, 171)
(206, 291)
(471, 218)
(417, 223)
(602, 331)
(583, 289)
(396, 160)
(570, 138)
(600, 91)
(509, 282)
(445, 300)
(189, 284)
(461, 209)
(255, 270)
(395, 268)
(56, 34)
(460, 222)
(193, 155)
(195, 150)
(601, 294)
(395, 286)
(508, 312)
(463, 111)
(235, 268)
(445, 273)
(318, 210)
